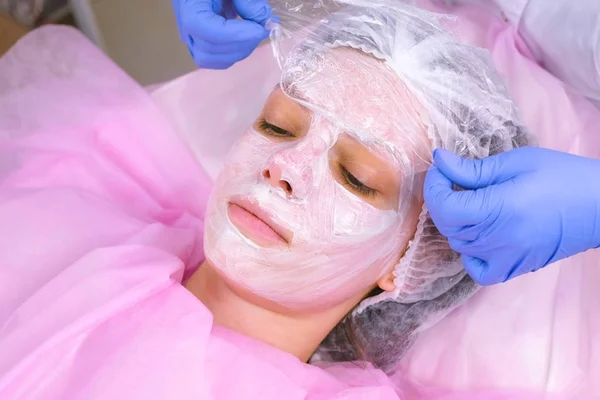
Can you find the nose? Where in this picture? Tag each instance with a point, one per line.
(273, 176)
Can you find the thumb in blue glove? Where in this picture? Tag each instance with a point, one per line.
(518, 211)
(213, 35)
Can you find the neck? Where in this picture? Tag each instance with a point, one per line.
(299, 335)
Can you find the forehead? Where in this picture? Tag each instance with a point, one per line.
(360, 94)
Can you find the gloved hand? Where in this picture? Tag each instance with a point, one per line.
(216, 39)
(520, 210)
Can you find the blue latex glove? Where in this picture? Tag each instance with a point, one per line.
(520, 210)
(216, 39)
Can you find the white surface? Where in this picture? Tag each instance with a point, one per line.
(565, 36)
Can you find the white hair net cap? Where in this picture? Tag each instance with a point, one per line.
(468, 111)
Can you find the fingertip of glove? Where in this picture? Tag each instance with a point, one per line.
(443, 157)
(444, 160)
(256, 11)
(477, 270)
(250, 30)
(263, 15)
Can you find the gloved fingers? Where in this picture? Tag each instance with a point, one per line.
(458, 245)
(479, 270)
(218, 61)
(476, 174)
(516, 269)
(470, 233)
(229, 48)
(204, 24)
(229, 12)
(224, 8)
(276, 19)
(499, 270)
(258, 11)
(449, 207)
(473, 248)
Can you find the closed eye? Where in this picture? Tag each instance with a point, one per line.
(355, 184)
(272, 130)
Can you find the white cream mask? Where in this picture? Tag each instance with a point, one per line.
(338, 243)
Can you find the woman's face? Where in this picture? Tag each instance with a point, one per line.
(319, 198)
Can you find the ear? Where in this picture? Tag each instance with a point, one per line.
(386, 282)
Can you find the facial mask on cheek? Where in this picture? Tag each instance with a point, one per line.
(339, 240)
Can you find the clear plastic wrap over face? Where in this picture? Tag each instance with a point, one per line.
(459, 96)
(382, 75)
(340, 236)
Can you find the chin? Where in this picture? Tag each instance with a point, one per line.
(238, 289)
(253, 274)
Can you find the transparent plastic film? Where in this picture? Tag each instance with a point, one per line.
(296, 20)
(336, 165)
(392, 78)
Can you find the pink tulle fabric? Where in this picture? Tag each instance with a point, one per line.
(103, 187)
(101, 214)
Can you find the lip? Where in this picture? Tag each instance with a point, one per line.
(255, 224)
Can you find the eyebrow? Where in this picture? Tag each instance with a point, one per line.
(296, 94)
(293, 92)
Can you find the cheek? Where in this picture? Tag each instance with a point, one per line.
(247, 156)
(357, 220)
(248, 148)
(376, 237)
